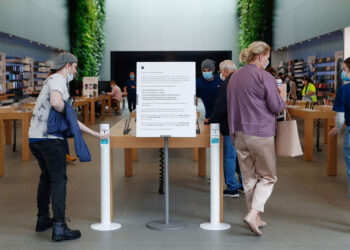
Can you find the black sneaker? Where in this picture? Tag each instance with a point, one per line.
(43, 223)
(233, 194)
(241, 190)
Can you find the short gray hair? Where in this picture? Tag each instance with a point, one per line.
(229, 65)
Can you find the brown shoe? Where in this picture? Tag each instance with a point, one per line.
(70, 158)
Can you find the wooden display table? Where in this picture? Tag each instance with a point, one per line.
(108, 98)
(83, 102)
(130, 143)
(92, 100)
(6, 115)
(319, 112)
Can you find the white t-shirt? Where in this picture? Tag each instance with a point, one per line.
(38, 123)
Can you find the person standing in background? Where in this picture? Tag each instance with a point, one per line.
(292, 94)
(342, 107)
(130, 89)
(253, 100)
(309, 90)
(207, 87)
(219, 115)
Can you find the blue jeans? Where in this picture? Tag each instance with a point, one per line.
(230, 165)
(346, 150)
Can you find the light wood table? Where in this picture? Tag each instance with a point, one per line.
(83, 102)
(130, 143)
(319, 112)
(92, 100)
(6, 115)
(108, 98)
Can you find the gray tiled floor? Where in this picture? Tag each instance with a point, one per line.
(307, 210)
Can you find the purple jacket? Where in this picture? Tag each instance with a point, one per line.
(252, 102)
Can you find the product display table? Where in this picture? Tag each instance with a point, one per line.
(83, 102)
(319, 112)
(92, 100)
(108, 98)
(130, 143)
(6, 115)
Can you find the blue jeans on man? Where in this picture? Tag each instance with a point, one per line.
(230, 166)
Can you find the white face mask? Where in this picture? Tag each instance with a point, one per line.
(268, 61)
(222, 77)
(69, 76)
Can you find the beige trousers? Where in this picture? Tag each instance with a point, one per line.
(257, 161)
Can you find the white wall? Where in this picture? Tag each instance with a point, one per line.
(298, 20)
(44, 21)
(169, 25)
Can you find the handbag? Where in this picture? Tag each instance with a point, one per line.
(287, 138)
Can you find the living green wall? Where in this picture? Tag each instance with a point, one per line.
(255, 21)
(87, 39)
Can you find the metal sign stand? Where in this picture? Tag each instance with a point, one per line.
(166, 224)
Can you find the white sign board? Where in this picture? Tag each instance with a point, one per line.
(90, 86)
(166, 99)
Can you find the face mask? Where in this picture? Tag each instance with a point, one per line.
(132, 77)
(207, 75)
(266, 64)
(344, 76)
(287, 80)
(69, 76)
(222, 77)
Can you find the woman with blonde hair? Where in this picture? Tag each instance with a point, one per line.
(253, 100)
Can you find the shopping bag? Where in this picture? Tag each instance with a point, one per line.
(287, 138)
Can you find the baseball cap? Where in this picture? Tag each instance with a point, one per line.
(64, 58)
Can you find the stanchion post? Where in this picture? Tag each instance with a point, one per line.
(215, 223)
(106, 224)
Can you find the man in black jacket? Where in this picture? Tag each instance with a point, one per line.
(219, 115)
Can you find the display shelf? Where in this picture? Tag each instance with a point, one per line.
(42, 70)
(18, 75)
(325, 75)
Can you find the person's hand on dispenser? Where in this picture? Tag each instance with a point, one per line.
(102, 136)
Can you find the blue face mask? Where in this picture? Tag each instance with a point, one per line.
(344, 77)
(207, 75)
(132, 77)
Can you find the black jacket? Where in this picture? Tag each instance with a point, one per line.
(219, 114)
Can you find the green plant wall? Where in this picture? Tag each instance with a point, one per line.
(255, 21)
(87, 40)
